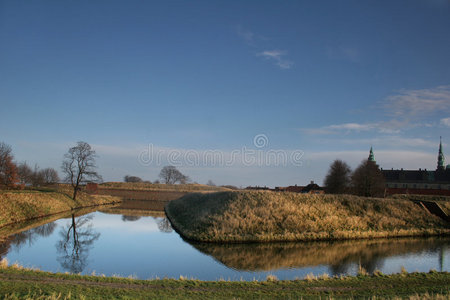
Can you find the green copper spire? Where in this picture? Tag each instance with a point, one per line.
(371, 157)
(441, 160)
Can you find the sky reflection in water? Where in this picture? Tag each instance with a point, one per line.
(146, 247)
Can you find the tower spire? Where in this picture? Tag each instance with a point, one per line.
(441, 159)
(371, 156)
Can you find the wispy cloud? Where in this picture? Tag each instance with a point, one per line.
(353, 126)
(407, 109)
(391, 141)
(347, 128)
(445, 122)
(277, 56)
(418, 103)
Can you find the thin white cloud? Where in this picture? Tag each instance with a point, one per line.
(412, 104)
(406, 110)
(392, 141)
(445, 122)
(352, 126)
(347, 128)
(277, 56)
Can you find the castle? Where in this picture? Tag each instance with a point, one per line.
(422, 181)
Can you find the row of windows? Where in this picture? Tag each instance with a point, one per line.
(418, 186)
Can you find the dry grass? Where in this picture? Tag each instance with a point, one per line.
(162, 187)
(246, 216)
(443, 201)
(18, 206)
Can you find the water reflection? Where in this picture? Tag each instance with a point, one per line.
(164, 225)
(27, 237)
(77, 238)
(126, 218)
(141, 242)
(339, 256)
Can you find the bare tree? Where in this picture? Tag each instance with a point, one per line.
(50, 176)
(368, 180)
(25, 173)
(8, 169)
(129, 178)
(210, 183)
(338, 178)
(79, 166)
(38, 177)
(171, 175)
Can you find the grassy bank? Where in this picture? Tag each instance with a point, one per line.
(17, 283)
(19, 206)
(189, 188)
(443, 201)
(250, 216)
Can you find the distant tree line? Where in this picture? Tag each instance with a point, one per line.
(366, 180)
(78, 167)
(14, 174)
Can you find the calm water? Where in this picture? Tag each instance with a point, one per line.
(147, 247)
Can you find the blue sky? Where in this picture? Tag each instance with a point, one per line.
(318, 79)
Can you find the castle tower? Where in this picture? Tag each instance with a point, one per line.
(441, 159)
(371, 156)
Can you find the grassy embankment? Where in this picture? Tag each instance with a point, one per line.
(260, 216)
(443, 201)
(18, 283)
(138, 186)
(22, 205)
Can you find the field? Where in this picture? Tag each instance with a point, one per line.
(257, 216)
(18, 283)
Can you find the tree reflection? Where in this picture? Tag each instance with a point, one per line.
(25, 237)
(164, 225)
(30, 236)
(77, 239)
(126, 218)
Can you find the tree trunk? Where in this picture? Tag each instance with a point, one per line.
(75, 190)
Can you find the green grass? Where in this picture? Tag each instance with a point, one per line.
(17, 283)
(255, 216)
